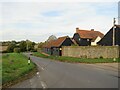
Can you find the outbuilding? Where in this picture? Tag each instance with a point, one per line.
(55, 47)
(107, 40)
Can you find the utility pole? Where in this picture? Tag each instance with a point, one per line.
(114, 31)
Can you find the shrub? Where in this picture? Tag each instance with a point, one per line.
(11, 47)
(17, 50)
(4, 51)
(101, 57)
(33, 50)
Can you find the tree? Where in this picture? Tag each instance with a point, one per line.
(11, 47)
(17, 50)
(23, 46)
(30, 45)
(40, 45)
(52, 37)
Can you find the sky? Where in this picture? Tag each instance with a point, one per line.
(36, 20)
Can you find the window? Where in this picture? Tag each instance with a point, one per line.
(88, 40)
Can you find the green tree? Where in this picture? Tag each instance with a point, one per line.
(30, 45)
(40, 45)
(23, 46)
(11, 47)
(17, 50)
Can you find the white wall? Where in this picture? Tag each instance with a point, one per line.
(95, 42)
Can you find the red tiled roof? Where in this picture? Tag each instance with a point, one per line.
(89, 34)
(118, 26)
(56, 43)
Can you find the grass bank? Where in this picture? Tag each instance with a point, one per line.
(14, 66)
(77, 60)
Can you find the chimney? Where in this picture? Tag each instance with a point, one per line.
(92, 29)
(77, 30)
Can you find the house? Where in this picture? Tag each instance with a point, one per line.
(107, 40)
(87, 37)
(54, 47)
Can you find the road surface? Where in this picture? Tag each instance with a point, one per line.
(54, 74)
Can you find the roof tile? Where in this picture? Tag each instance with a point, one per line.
(55, 43)
(89, 34)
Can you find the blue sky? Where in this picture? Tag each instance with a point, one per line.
(36, 21)
(52, 13)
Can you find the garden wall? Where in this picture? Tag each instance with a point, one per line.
(91, 51)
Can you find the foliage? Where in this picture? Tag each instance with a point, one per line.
(52, 37)
(17, 50)
(5, 43)
(77, 60)
(30, 45)
(11, 47)
(14, 65)
(40, 45)
(23, 46)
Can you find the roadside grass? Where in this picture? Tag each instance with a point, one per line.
(0, 71)
(14, 66)
(77, 60)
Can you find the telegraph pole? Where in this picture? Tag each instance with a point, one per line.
(114, 31)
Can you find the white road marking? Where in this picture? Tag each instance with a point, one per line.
(37, 73)
(30, 83)
(43, 84)
(39, 76)
(42, 68)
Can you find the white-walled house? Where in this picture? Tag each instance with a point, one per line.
(87, 37)
(94, 42)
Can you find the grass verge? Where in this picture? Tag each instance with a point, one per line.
(15, 66)
(77, 60)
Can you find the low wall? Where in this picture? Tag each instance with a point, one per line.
(91, 51)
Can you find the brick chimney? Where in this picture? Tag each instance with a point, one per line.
(92, 29)
(77, 30)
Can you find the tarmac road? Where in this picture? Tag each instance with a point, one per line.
(55, 74)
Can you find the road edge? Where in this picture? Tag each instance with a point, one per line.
(20, 79)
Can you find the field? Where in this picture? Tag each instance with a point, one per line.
(14, 66)
(77, 60)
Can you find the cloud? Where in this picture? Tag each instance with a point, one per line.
(59, 0)
(36, 21)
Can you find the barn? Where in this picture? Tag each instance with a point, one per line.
(107, 40)
(55, 47)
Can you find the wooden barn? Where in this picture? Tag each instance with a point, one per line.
(107, 40)
(87, 37)
(55, 47)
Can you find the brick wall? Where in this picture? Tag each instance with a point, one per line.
(91, 51)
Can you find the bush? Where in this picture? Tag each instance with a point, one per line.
(17, 50)
(4, 51)
(11, 47)
(33, 50)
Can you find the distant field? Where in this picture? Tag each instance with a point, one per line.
(77, 60)
(3, 48)
(14, 65)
